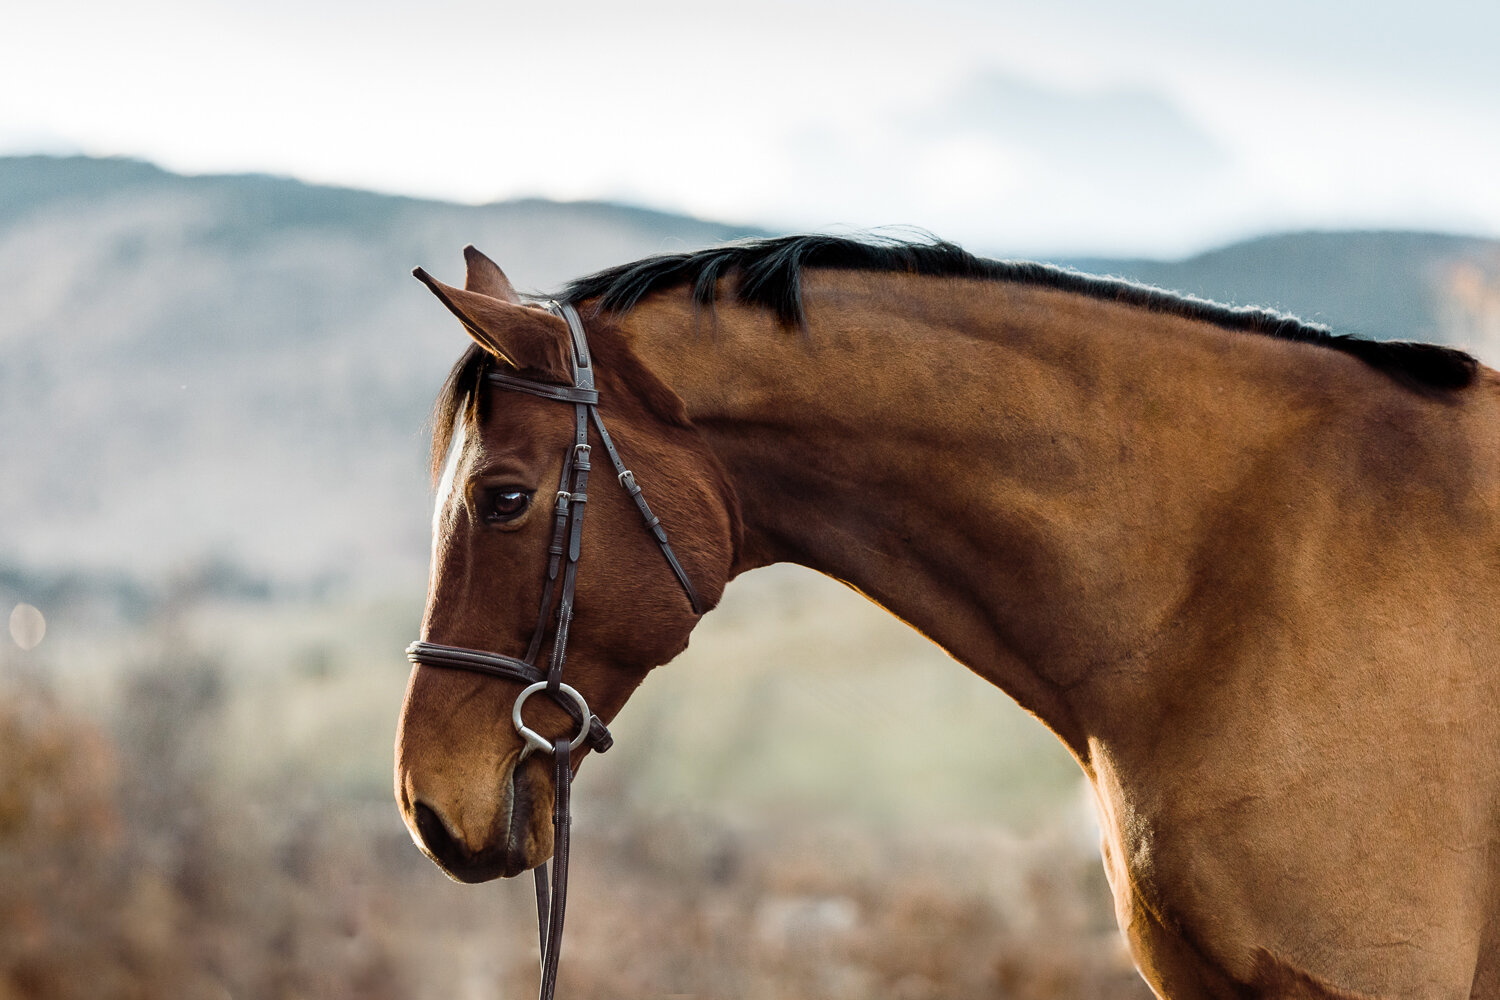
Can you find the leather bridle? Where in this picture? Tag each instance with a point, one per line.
(567, 535)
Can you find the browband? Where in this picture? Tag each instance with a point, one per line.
(546, 390)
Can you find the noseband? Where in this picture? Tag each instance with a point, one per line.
(567, 535)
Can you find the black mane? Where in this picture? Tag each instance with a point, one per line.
(768, 273)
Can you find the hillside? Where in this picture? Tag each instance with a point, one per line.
(1387, 285)
(239, 368)
(235, 371)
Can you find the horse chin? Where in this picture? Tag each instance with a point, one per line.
(517, 839)
(528, 840)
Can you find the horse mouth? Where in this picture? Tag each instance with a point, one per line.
(522, 842)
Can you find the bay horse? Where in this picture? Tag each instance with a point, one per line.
(1247, 570)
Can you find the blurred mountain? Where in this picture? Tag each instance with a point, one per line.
(1387, 285)
(234, 372)
(237, 370)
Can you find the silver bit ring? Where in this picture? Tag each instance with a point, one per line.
(535, 740)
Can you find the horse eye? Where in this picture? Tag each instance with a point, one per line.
(506, 505)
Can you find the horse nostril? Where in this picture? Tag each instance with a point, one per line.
(445, 847)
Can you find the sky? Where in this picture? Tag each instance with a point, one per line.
(1070, 127)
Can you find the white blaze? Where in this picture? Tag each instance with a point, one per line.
(448, 485)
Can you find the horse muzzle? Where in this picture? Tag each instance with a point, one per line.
(499, 833)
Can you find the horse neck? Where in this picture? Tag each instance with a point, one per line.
(1020, 473)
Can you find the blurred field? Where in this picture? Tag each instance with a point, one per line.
(200, 807)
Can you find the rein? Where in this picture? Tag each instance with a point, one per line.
(563, 553)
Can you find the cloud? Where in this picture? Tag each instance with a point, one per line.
(1133, 133)
(22, 141)
(1014, 166)
(1079, 126)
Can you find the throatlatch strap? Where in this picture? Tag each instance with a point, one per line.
(653, 523)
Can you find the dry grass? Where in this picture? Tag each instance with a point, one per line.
(127, 871)
(694, 909)
(118, 879)
(205, 813)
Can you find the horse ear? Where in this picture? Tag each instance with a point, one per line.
(525, 339)
(486, 277)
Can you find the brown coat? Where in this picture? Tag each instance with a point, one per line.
(1252, 583)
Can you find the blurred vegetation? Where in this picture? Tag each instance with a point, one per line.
(128, 870)
(199, 806)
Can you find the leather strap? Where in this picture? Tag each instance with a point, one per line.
(546, 390)
(583, 395)
(550, 917)
(581, 356)
(626, 478)
(508, 668)
(554, 558)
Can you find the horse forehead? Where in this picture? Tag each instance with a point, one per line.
(514, 429)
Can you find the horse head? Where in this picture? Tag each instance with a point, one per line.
(506, 465)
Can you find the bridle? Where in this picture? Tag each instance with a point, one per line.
(567, 534)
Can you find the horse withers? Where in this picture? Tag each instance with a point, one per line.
(1247, 570)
